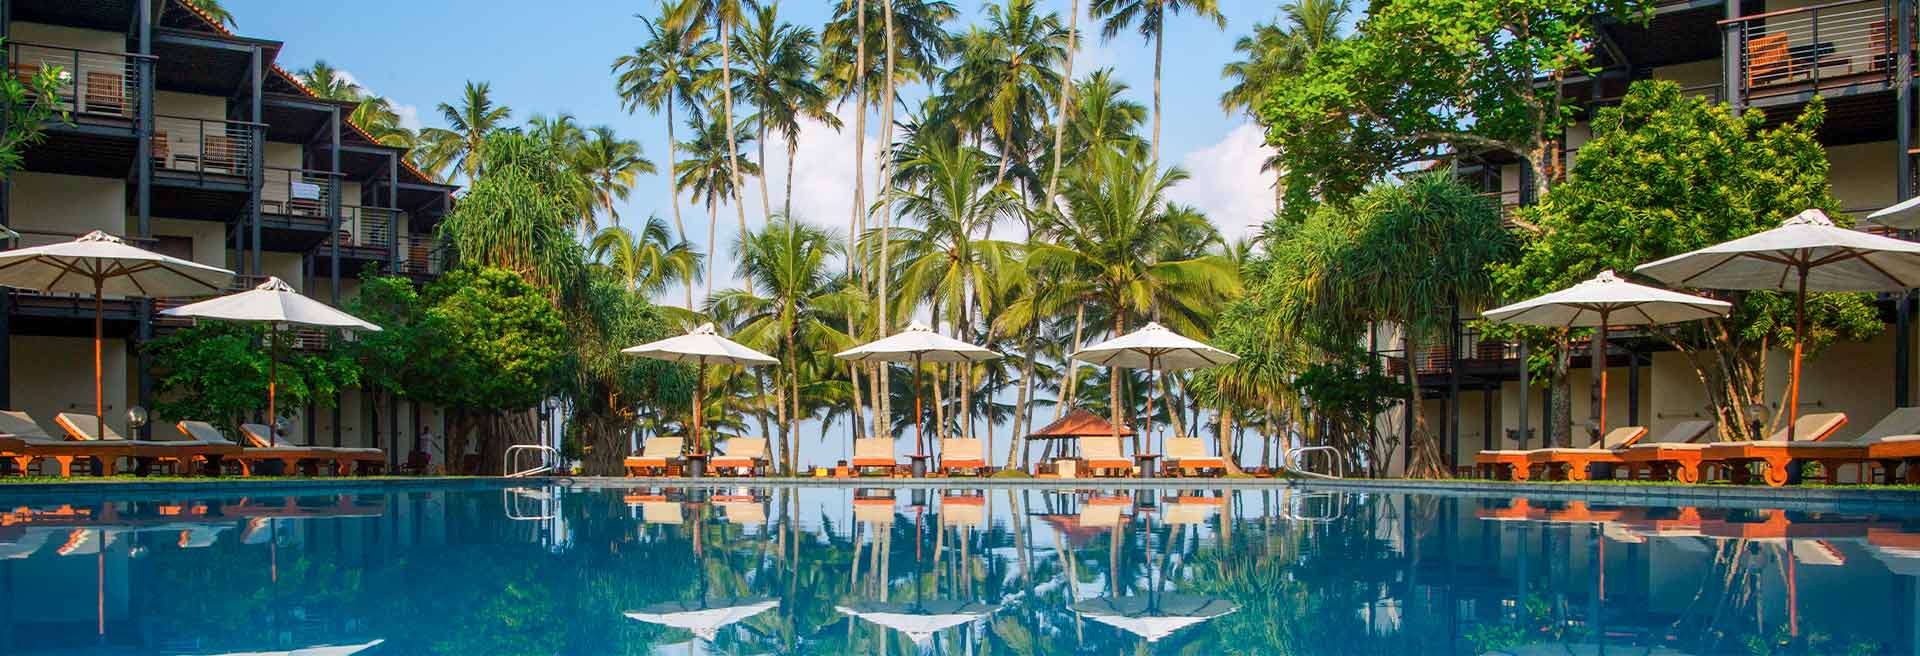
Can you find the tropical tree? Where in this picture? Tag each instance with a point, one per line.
(611, 165)
(788, 306)
(724, 15)
(519, 214)
(1276, 54)
(671, 68)
(1111, 246)
(377, 116)
(1151, 16)
(27, 102)
(1004, 78)
(778, 82)
(328, 82)
(468, 125)
(707, 172)
(215, 11)
(648, 262)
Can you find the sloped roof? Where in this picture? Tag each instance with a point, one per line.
(1079, 423)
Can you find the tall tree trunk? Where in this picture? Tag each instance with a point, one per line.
(793, 382)
(1224, 444)
(1064, 111)
(733, 140)
(793, 149)
(1023, 412)
(856, 222)
(1159, 47)
(713, 246)
(673, 182)
(766, 202)
(885, 271)
(1070, 379)
(1113, 387)
(1561, 429)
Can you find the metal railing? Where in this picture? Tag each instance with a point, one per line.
(94, 83)
(204, 146)
(296, 192)
(364, 227)
(1816, 47)
(421, 256)
(549, 458)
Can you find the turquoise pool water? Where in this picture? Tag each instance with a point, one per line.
(555, 570)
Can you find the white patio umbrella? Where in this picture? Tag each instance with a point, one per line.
(278, 305)
(102, 264)
(1604, 301)
(1153, 348)
(702, 347)
(917, 344)
(1904, 215)
(703, 618)
(920, 621)
(1806, 253)
(1155, 616)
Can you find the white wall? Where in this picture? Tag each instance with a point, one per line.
(52, 375)
(68, 203)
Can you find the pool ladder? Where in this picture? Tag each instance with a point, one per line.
(549, 458)
(1296, 464)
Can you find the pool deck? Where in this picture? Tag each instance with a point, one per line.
(1791, 498)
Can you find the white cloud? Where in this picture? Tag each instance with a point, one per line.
(409, 114)
(1227, 182)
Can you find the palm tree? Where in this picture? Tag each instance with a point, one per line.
(1274, 54)
(1004, 76)
(215, 11)
(707, 171)
(467, 126)
(377, 116)
(648, 262)
(1063, 108)
(1119, 245)
(947, 260)
(725, 14)
(1152, 18)
(1105, 121)
(789, 300)
(671, 68)
(778, 82)
(327, 82)
(611, 165)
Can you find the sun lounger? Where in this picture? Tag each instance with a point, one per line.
(264, 445)
(657, 455)
(1102, 456)
(1575, 464)
(1674, 455)
(1503, 464)
(208, 445)
(742, 453)
(1188, 455)
(963, 454)
(874, 452)
(79, 443)
(1898, 451)
(1774, 455)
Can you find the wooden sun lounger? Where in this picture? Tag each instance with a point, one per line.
(1102, 455)
(85, 439)
(746, 456)
(267, 447)
(874, 452)
(1576, 464)
(1675, 455)
(1895, 453)
(1777, 457)
(963, 454)
(1188, 455)
(657, 456)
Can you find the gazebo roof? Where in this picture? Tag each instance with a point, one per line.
(1079, 423)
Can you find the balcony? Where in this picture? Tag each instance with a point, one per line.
(365, 227)
(95, 86)
(202, 148)
(68, 314)
(1845, 47)
(422, 257)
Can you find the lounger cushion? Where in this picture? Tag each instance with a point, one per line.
(1558, 451)
(1202, 462)
(958, 463)
(733, 461)
(1505, 452)
(1812, 428)
(641, 461)
(18, 424)
(1671, 446)
(873, 462)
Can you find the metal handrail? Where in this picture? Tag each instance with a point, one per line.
(92, 82)
(1296, 506)
(1296, 465)
(549, 458)
(510, 505)
(184, 143)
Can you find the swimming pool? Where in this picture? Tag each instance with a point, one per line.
(474, 569)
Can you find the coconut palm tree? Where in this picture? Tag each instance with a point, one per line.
(215, 11)
(377, 116)
(1063, 106)
(706, 169)
(1151, 16)
(611, 165)
(649, 261)
(456, 145)
(778, 82)
(1114, 242)
(948, 260)
(723, 15)
(1005, 75)
(328, 82)
(671, 68)
(1103, 121)
(1275, 53)
(790, 299)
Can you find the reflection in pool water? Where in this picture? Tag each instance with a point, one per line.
(553, 570)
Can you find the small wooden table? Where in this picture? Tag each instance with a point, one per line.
(1144, 463)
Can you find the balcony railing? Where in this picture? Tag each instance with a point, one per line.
(1816, 47)
(422, 256)
(296, 192)
(204, 147)
(364, 227)
(93, 83)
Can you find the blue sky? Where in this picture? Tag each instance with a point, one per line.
(553, 56)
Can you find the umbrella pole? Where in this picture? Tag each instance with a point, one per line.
(273, 382)
(699, 391)
(1600, 368)
(99, 376)
(919, 440)
(1799, 337)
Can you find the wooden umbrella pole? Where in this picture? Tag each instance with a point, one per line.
(1799, 337)
(1600, 366)
(99, 374)
(919, 439)
(273, 383)
(699, 394)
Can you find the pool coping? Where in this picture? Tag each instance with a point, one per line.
(1794, 498)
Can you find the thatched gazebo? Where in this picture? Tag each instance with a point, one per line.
(1073, 426)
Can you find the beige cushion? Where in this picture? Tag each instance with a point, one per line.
(14, 423)
(1101, 448)
(1186, 447)
(1685, 432)
(873, 447)
(747, 447)
(85, 427)
(200, 431)
(1812, 427)
(662, 447)
(1900, 422)
(1622, 437)
(962, 449)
